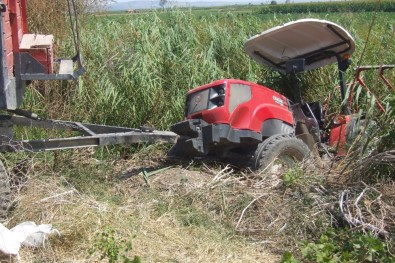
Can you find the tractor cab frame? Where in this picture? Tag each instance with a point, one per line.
(304, 45)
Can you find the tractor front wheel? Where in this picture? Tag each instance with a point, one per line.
(5, 192)
(279, 153)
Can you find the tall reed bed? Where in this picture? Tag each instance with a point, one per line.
(139, 67)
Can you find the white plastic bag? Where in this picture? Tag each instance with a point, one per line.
(35, 235)
(10, 243)
(26, 234)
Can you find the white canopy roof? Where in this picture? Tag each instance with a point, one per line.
(316, 41)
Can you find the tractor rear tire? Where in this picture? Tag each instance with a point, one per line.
(282, 151)
(5, 192)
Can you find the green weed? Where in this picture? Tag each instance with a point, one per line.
(343, 246)
(112, 248)
(293, 176)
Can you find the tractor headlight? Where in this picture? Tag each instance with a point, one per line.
(217, 97)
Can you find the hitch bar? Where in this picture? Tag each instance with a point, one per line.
(92, 135)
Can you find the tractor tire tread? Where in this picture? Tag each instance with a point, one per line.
(268, 147)
(5, 192)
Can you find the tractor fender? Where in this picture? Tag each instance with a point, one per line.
(267, 112)
(275, 126)
(252, 118)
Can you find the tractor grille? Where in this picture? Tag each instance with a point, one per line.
(206, 99)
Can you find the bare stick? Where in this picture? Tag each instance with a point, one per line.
(57, 195)
(245, 209)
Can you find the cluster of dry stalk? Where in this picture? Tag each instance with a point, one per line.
(316, 199)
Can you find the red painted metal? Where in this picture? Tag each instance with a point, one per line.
(359, 80)
(24, 17)
(248, 115)
(15, 26)
(338, 135)
(386, 81)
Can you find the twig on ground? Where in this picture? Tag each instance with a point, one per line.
(57, 195)
(354, 215)
(245, 209)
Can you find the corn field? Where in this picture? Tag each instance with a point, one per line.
(331, 7)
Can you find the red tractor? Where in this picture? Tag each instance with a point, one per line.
(237, 119)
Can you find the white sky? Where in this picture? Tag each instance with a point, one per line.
(240, 1)
(246, 1)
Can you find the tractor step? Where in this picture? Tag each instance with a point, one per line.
(198, 138)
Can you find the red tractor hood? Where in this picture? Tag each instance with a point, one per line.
(319, 42)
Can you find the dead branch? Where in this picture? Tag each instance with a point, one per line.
(356, 214)
(245, 209)
(383, 158)
(57, 195)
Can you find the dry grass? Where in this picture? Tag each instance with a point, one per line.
(191, 212)
(169, 221)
